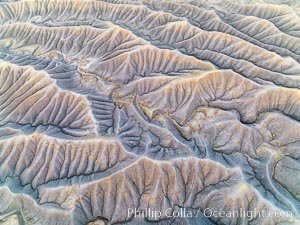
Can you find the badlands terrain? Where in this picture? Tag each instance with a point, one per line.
(113, 105)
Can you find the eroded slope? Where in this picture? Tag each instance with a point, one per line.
(116, 104)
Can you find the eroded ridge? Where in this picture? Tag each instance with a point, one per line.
(110, 105)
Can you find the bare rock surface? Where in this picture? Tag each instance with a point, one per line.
(186, 105)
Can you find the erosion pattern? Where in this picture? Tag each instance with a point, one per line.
(117, 104)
